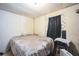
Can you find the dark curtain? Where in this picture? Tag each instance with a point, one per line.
(54, 27)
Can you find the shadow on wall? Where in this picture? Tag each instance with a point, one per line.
(72, 49)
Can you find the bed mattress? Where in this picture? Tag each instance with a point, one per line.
(31, 46)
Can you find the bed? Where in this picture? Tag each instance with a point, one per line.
(31, 45)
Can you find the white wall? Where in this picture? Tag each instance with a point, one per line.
(40, 26)
(69, 20)
(13, 25)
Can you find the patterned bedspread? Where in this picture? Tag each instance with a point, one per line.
(31, 46)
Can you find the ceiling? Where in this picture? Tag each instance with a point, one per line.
(33, 9)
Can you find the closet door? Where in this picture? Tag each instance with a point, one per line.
(54, 27)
